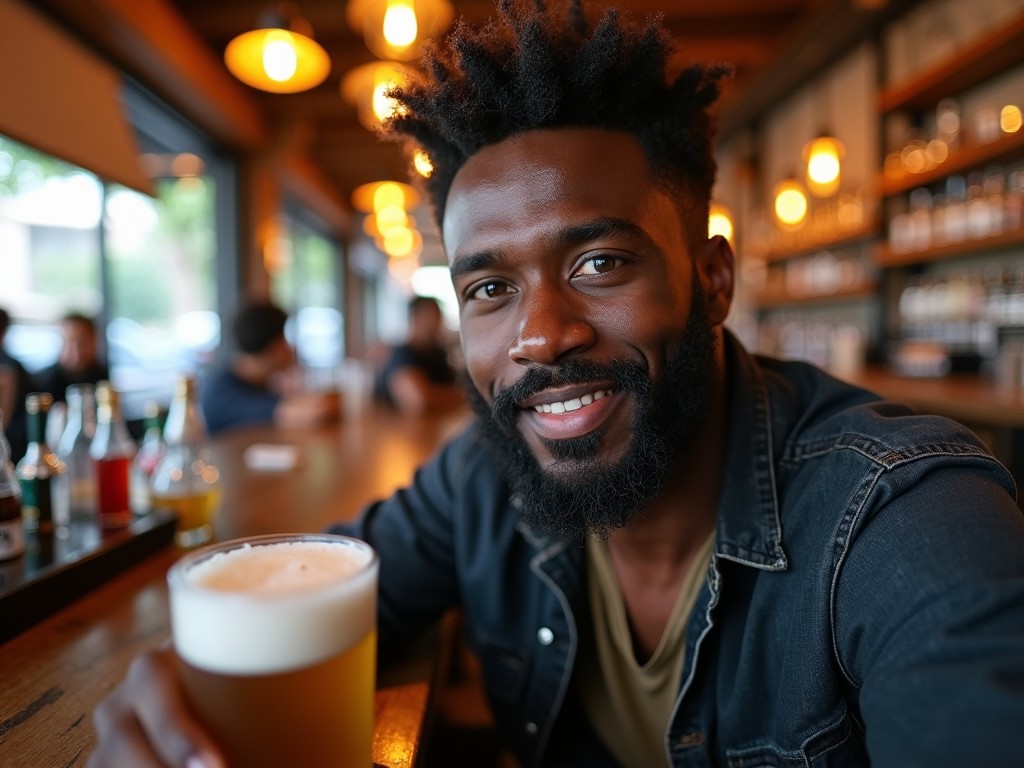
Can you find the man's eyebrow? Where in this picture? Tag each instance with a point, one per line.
(594, 230)
(472, 262)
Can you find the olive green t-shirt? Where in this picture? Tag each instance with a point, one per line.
(628, 704)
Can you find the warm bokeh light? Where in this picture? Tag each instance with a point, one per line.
(422, 163)
(790, 203)
(375, 195)
(402, 243)
(400, 26)
(365, 87)
(823, 156)
(720, 222)
(396, 29)
(390, 217)
(1010, 118)
(277, 60)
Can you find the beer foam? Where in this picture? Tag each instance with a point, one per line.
(274, 607)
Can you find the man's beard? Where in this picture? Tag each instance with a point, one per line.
(582, 493)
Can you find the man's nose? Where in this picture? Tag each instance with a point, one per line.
(551, 324)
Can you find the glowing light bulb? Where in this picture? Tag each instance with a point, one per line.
(822, 156)
(422, 163)
(790, 203)
(1010, 118)
(400, 25)
(720, 222)
(280, 61)
(383, 105)
(388, 194)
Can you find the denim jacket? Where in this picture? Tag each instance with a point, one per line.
(864, 605)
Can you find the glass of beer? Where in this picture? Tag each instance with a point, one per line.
(276, 637)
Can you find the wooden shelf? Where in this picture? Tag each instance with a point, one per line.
(772, 298)
(854, 237)
(1005, 148)
(886, 257)
(989, 56)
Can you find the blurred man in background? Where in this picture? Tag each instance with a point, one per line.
(15, 383)
(262, 384)
(79, 361)
(417, 377)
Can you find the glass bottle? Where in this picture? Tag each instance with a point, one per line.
(41, 473)
(73, 449)
(12, 532)
(185, 480)
(151, 449)
(112, 451)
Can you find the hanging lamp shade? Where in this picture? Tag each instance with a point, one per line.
(280, 55)
(790, 203)
(395, 29)
(366, 86)
(376, 195)
(823, 156)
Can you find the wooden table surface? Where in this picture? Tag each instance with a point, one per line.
(54, 674)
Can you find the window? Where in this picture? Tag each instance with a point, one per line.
(153, 270)
(307, 284)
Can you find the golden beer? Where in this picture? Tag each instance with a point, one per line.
(277, 641)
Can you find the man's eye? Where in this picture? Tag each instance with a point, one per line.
(489, 290)
(598, 265)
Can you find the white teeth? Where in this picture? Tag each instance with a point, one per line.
(570, 405)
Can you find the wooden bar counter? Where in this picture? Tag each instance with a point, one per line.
(55, 673)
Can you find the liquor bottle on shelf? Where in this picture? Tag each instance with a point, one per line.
(12, 532)
(185, 480)
(151, 449)
(41, 473)
(73, 449)
(112, 451)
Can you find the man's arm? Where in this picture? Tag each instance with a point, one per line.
(929, 621)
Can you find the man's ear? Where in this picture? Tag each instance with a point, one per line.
(717, 271)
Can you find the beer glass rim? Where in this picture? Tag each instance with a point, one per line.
(176, 575)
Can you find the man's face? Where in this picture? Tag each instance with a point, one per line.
(78, 351)
(576, 289)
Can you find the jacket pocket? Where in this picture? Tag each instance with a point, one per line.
(837, 745)
(504, 667)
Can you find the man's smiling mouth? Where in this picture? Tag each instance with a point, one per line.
(573, 404)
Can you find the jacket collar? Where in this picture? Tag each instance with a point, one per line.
(749, 524)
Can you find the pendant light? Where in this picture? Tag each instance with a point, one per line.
(395, 29)
(366, 86)
(823, 156)
(280, 55)
(790, 203)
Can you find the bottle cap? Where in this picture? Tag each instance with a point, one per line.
(38, 402)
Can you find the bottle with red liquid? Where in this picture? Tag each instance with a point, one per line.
(112, 451)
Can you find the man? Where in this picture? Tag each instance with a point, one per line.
(417, 377)
(262, 384)
(668, 551)
(79, 359)
(15, 384)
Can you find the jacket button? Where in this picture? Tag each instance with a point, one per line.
(545, 636)
(531, 728)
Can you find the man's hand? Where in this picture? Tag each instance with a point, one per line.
(146, 722)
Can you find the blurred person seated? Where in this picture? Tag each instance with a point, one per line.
(79, 360)
(417, 377)
(263, 384)
(15, 384)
